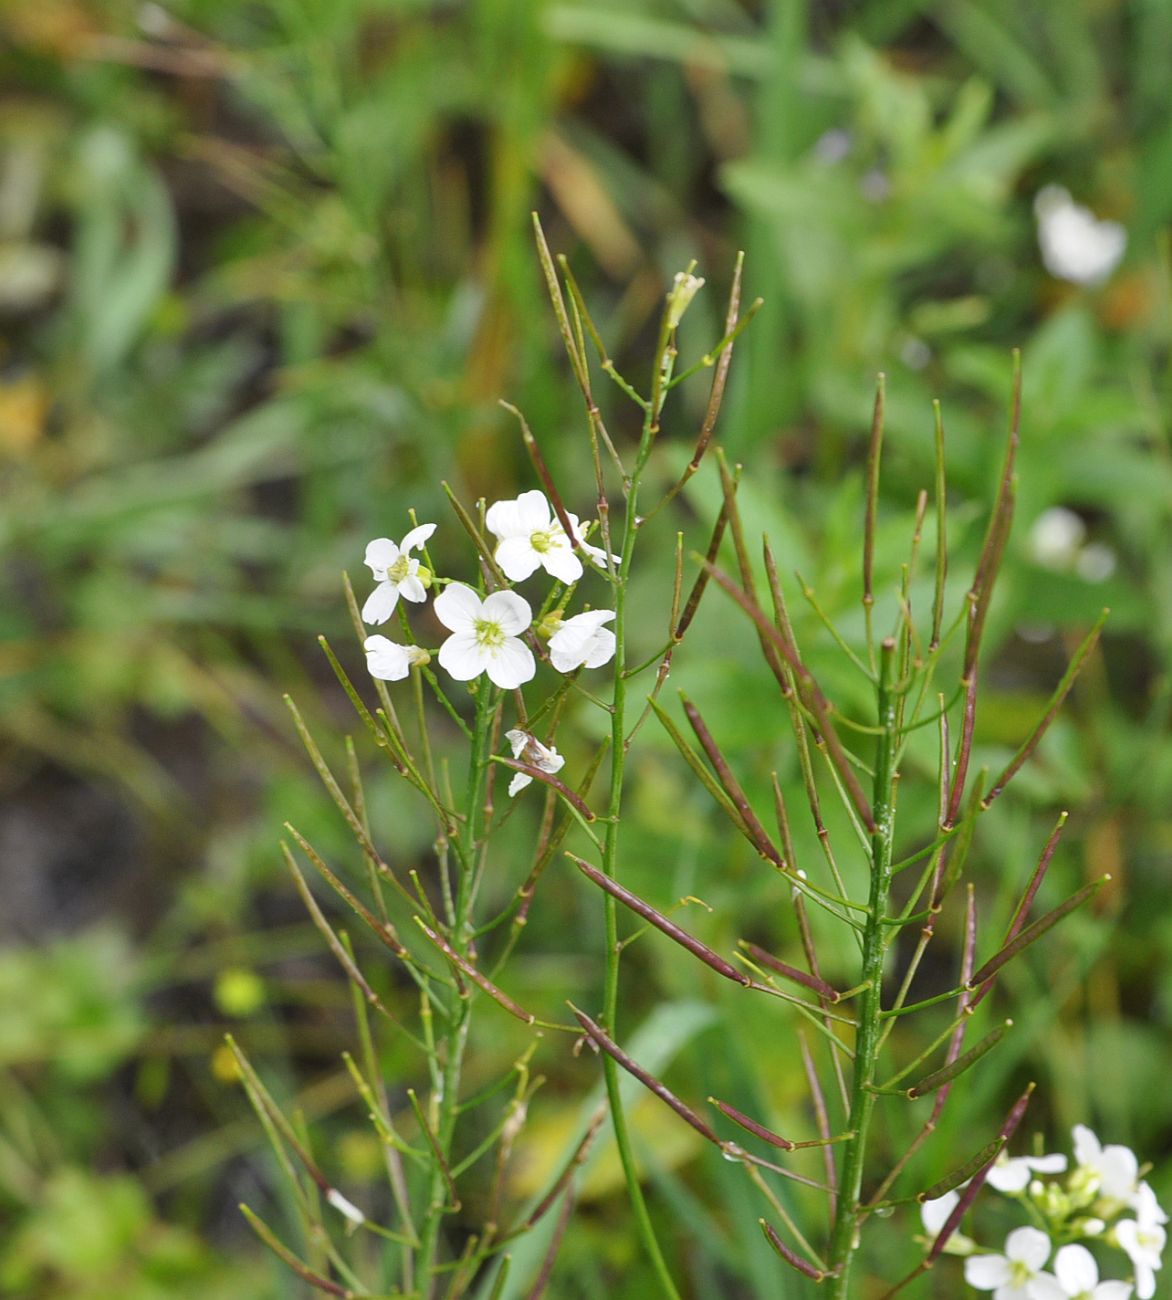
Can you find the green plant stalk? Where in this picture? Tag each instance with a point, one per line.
(456, 1030)
(844, 1237)
(610, 995)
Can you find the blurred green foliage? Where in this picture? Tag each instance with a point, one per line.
(265, 270)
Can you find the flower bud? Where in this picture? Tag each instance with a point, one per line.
(679, 299)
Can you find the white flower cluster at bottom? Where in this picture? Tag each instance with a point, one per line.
(1102, 1200)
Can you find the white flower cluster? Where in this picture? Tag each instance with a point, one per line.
(486, 632)
(1103, 1200)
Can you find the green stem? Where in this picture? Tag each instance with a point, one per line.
(610, 997)
(844, 1237)
(469, 854)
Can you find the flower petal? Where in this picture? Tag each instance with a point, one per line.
(602, 648)
(987, 1271)
(1044, 1287)
(1147, 1208)
(416, 537)
(380, 604)
(1009, 1176)
(534, 510)
(934, 1214)
(519, 782)
(380, 555)
(386, 660)
(457, 607)
(1086, 1146)
(560, 561)
(1075, 1268)
(509, 611)
(412, 589)
(517, 558)
(509, 665)
(462, 655)
(518, 518)
(1030, 1246)
(1118, 1167)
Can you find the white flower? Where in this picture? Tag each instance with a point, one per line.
(1115, 1166)
(1056, 537)
(1075, 244)
(1143, 1238)
(530, 750)
(1016, 1275)
(1013, 1175)
(485, 635)
(389, 661)
(531, 537)
(1078, 1276)
(396, 573)
(582, 641)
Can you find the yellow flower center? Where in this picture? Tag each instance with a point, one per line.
(489, 634)
(401, 569)
(541, 541)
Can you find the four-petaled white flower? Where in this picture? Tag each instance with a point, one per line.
(1016, 1275)
(1143, 1238)
(1075, 244)
(582, 641)
(390, 661)
(396, 573)
(1013, 1174)
(530, 750)
(1116, 1167)
(531, 537)
(1077, 1275)
(485, 635)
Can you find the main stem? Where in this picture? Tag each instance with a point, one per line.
(446, 1104)
(610, 996)
(844, 1239)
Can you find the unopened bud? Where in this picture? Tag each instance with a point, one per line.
(345, 1207)
(679, 299)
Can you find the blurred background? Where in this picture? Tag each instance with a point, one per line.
(266, 269)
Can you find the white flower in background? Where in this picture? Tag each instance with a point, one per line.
(1075, 244)
(934, 1215)
(1013, 1175)
(582, 641)
(1016, 1275)
(1144, 1238)
(528, 749)
(485, 635)
(531, 537)
(1116, 1167)
(390, 661)
(1078, 1277)
(1057, 541)
(396, 573)
(1055, 538)
(1095, 562)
